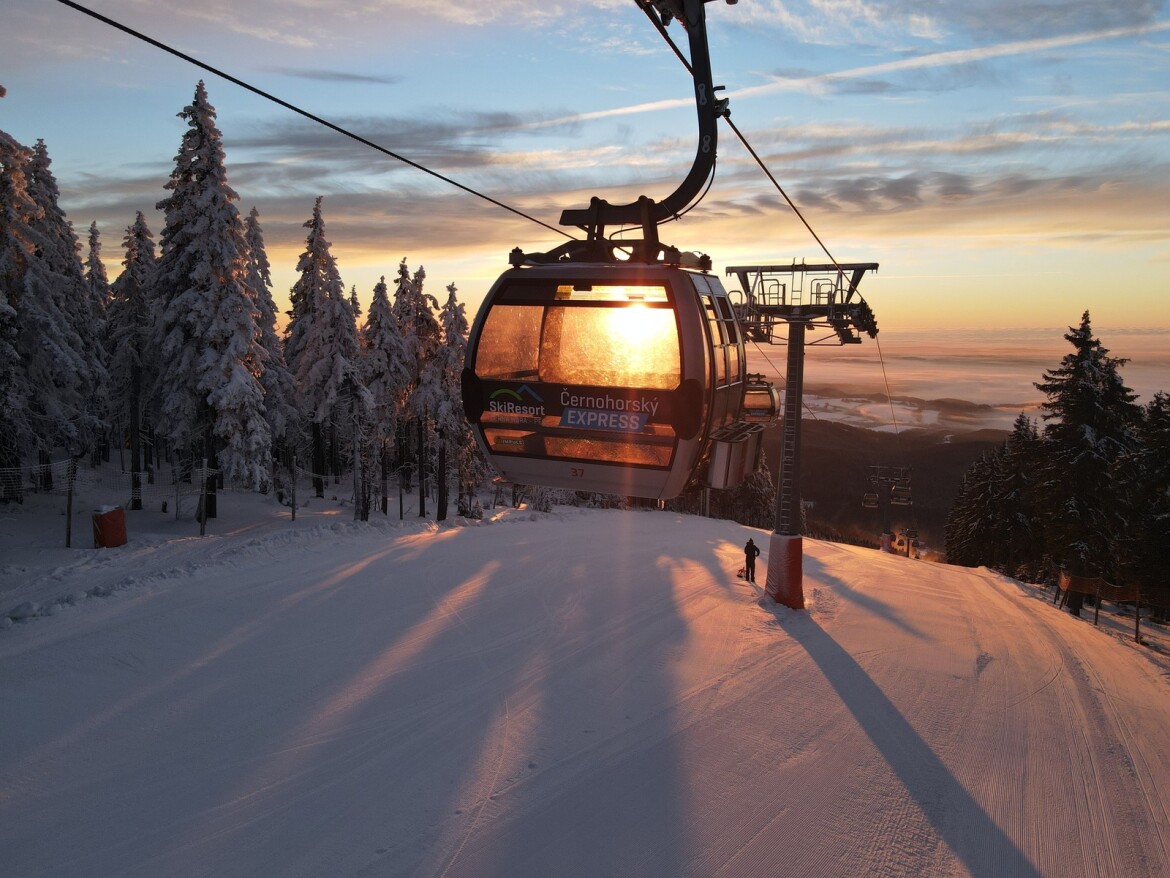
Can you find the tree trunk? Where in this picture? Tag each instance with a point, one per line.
(357, 482)
(422, 469)
(209, 492)
(385, 474)
(135, 444)
(318, 461)
(442, 478)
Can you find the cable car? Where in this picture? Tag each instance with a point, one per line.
(616, 378)
(616, 364)
(869, 500)
(900, 496)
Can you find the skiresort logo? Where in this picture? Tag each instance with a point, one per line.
(521, 401)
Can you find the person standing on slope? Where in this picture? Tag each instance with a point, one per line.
(750, 552)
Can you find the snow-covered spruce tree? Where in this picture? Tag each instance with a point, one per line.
(415, 311)
(471, 466)
(754, 499)
(96, 279)
(321, 347)
(1018, 533)
(56, 328)
(280, 406)
(386, 373)
(972, 518)
(403, 294)
(1092, 419)
(210, 399)
(130, 318)
(98, 286)
(993, 521)
(453, 432)
(95, 272)
(1142, 477)
(16, 248)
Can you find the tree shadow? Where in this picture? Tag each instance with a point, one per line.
(603, 782)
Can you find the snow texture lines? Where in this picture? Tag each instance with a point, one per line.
(575, 694)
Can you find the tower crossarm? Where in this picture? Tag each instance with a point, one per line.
(815, 294)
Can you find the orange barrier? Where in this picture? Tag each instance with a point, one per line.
(109, 527)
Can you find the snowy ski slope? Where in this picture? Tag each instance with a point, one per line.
(584, 693)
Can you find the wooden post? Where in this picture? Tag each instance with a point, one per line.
(69, 503)
(203, 499)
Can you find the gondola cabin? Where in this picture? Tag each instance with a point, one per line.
(614, 378)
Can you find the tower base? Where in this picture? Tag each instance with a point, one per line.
(785, 584)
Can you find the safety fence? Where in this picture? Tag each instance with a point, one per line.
(1100, 590)
(181, 486)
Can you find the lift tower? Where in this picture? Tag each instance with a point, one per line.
(803, 297)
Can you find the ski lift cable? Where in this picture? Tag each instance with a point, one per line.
(645, 6)
(889, 398)
(310, 116)
(418, 166)
(894, 419)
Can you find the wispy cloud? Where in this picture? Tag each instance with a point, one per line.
(336, 76)
(819, 82)
(954, 57)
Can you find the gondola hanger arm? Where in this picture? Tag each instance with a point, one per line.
(647, 212)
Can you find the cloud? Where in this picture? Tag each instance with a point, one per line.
(951, 58)
(336, 76)
(832, 22)
(1017, 19)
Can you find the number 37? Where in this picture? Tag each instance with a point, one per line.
(577, 472)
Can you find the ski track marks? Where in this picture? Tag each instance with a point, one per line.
(573, 695)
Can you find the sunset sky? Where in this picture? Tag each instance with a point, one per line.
(1006, 163)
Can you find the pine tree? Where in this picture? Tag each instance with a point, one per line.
(1143, 494)
(98, 286)
(69, 365)
(131, 322)
(208, 390)
(1016, 535)
(17, 430)
(322, 350)
(755, 497)
(415, 312)
(95, 272)
(1092, 418)
(386, 373)
(969, 531)
(280, 392)
(452, 429)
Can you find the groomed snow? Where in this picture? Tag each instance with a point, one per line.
(582, 693)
